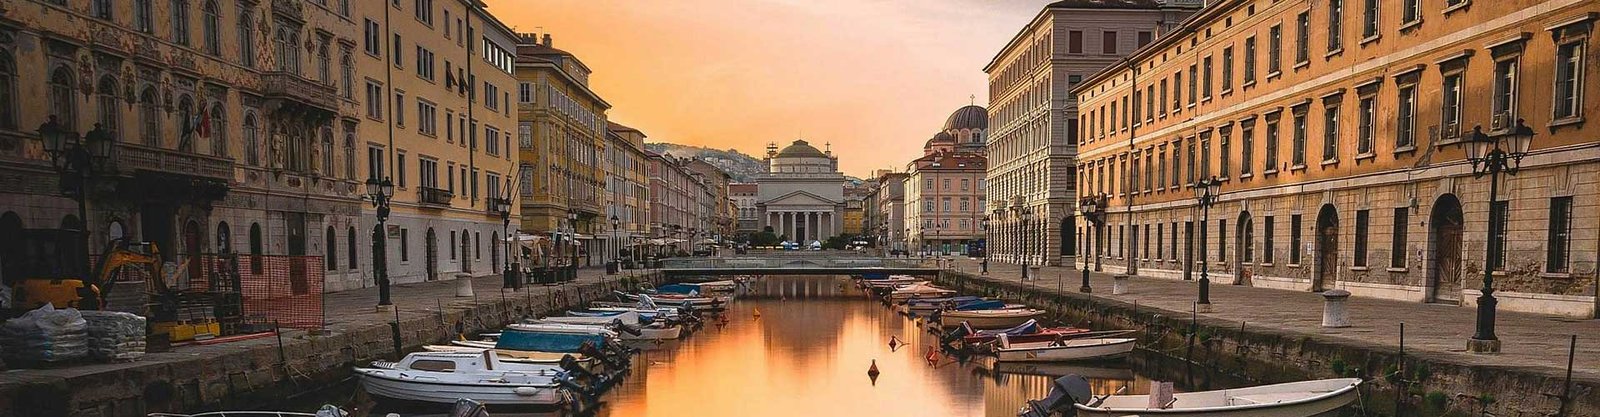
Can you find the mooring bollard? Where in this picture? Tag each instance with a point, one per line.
(1119, 284)
(464, 286)
(1333, 308)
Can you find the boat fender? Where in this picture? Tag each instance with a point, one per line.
(525, 391)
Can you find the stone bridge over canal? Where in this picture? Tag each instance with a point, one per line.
(796, 263)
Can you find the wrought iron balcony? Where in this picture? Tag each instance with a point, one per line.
(430, 196)
(292, 87)
(130, 158)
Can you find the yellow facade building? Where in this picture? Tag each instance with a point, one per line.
(562, 135)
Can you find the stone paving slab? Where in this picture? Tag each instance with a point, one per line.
(1531, 342)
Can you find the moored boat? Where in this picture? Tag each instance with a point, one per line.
(442, 378)
(1029, 331)
(989, 319)
(1071, 396)
(918, 290)
(1064, 350)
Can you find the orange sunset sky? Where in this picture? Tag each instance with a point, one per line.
(875, 78)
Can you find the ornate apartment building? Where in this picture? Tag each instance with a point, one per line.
(627, 188)
(1339, 132)
(1033, 117)
(944, 189)
(562, 129)
(239, 127)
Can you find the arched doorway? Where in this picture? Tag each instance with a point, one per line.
(430, 254)
(1069, 240)
(191, 251)
(466, 251)
(1244, 250)
(1327, 248)
(1445, 226)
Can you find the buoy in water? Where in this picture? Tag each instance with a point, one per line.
(757, 313)
(933, 355)
(872, 371)
(894, 343)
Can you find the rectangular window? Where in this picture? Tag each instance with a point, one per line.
(374, 100)
(1222, 240)
(1075, 42)
(1405, 118)
(1335, 22)
(1330, 134)
(1161, 236)
(1205, 85)
(1162, 107)
(1364, 133)
(1174, 242)
(1505, 94)
(1294, 239)
(1302, 40)
(374, 163)
(399, 58)
(1498, 212)
(1205, 155)
(1247, 144)
(1194, 76)
(1271, 157)
(1225, 158)
(1268, 251)
(1559, 245)
(1369, 19)
(399, 109)
(1227, 69)
(1397, 243)
(1569, 81)
(1274, 49)
(405, 247)
(1450, 110)
(427, 118)
(1410, 11)
(1361, 238)
(1250, 60)
(1144, 38)
(1108, 44)
(400, 170)
(1177, 160)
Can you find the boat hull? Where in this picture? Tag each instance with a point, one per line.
(655, 333)
(1303, 407)
(388, 384)
(1077, 352)
(987, 321)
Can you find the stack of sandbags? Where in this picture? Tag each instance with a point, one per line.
(115, 335)
(45, 335)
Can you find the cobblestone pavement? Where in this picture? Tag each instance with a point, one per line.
(1530, 341)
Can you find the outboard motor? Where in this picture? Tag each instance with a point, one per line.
(1066, 391)
(954, 335)
(468, 408)
(617, 324)
(567, 382)
(588, 349)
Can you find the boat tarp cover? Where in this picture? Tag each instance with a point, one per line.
(981, 305)
(960, 299)
(546, 342)
(1028, 327)
(687, 289)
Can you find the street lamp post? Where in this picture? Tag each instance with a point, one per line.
(380, 192)
(616, 253)
(986, 245)
(502, 206)
(572, 236)
(77, 164)
(1206, 191)
(1026, 214)
(1493, 156)
(1091, 207)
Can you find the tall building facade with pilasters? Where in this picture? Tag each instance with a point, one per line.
(1340, 134)
(1033, 117)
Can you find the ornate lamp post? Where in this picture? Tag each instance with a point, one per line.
(986, 244)
(1206, 191)
(380, 192)
(572, 230)
(77, 163)
(1025, 214)
(502, 206)
(1091, 207)
(1493, 155)
(616, 253)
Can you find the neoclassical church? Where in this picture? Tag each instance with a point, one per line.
(801, 196)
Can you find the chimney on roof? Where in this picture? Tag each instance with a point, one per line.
(547, 43)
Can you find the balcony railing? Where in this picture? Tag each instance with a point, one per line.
(292, 87)
(435, 196)
(131, 157)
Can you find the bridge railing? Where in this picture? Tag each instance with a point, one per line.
(778, 262)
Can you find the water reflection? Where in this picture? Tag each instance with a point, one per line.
(807, 355)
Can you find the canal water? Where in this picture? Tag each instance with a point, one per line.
(801, 346)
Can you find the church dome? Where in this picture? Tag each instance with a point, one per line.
(801, 149)
(940, 138)
(969, 117)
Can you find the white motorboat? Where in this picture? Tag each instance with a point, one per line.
(1063, 350)
(989, 319)
(918, 290)
(512, 356)
(564, 328)
(657, 331)
(443, 377)
(1292, 399)
(325, 411)
(628, 318)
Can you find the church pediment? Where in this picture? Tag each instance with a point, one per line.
(799, 198)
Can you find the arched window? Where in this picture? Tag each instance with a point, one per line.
(180, 22)
(224, 238)
(8, 91)
(110, 110)
(115, 230)
(71, 222)
(211, 28)
(255, 248)
(350, 246)
(150, 116)
(324, 65)
(219, 130)
(186, 124)
(285, 48)
(62, 104)
(252, 140)
(327, 151)
(332, 262)
(247, 38)
(347, 76)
